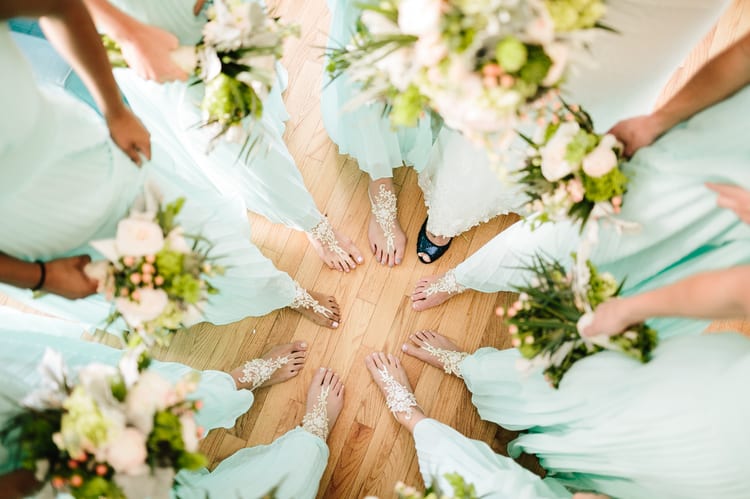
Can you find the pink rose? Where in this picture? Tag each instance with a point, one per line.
(576, 190)
(127, 453)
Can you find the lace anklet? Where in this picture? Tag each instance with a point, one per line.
(384, 209)
(323, 232)
(303, 299)
(450, 359)
(258, 371)
(398, 398)
(316, 421)
(446, 284)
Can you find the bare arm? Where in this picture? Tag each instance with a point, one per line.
(63, 276)
(719, 78)
(722, 294)
(147, 49)
(69, 28)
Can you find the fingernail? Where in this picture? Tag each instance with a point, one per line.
(335, 324)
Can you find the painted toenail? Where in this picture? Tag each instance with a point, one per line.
(303, 344)
(360, 259)
(404, 348)
(335, 324)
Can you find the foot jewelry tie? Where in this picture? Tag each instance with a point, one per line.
(323, 232)
(303, 299)
(398, 398)
(450, 358)
(258, 371)
(384, 210)
(446, 284)
(316, 421)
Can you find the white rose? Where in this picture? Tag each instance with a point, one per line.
(151, 305)
(585, 321)
(176, 238)
(541, 29)
(378, 24)
(96, 380)
(189, 432)
(127, 453)
(419, 17)
(554, 166)
(150, 394)
(602, 159)
(429, 50)
(138, 237)
(559, 54)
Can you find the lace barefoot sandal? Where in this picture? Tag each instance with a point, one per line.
(446, 284)
(316, 421)
(258, 371)
(323, 232)
(303, 299)
(384, 209)
(451, 359)
(397, 397)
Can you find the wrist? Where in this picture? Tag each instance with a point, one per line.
(42, 276)
(662, 120)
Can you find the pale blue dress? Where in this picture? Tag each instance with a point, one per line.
(365, 133)
(682, 231)
(267, 180)
(675, 427)
(64, 183)
(295, 462)
(621, 76)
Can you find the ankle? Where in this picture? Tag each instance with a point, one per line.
(416, 416)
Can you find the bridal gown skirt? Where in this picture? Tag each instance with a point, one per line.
(442, 450)
(365, 133)
(675, 427)
(682, 230)
(64, 183)
(267, 177)
(24, 338)
(623, 77)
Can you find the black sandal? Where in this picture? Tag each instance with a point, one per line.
(424, 245)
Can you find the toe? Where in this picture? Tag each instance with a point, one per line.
(424, 257)
(299, 346)
(378, 360)
(328, 377)
(318, 377)
(399, 254)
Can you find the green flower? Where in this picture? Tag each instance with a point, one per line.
(537, 66)
(186, 287)
(407, 107)
(83, 424)
(605, 187)
(570, 15)
(169, 263)
(228, 100)
(582, 143)
(511, 54)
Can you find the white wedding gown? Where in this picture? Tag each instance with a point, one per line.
(628, 70)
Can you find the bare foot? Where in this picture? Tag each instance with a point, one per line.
(328, 316)
(246, 376)
(423, 341)
(376, 363)
(387, 251)
(325, 399)
(334, 248)
(422, 300)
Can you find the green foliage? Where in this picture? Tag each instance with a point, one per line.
(169, 263)
(97, 487)
(185, 286)
(408, 107)
(537, 65)
(167, 215)
(606, 187)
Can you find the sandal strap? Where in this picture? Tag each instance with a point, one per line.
(385, 212)
(316, 421)
(323, 232)
(397, 397)
(258, 371)
(446, 284)
(303, 299)
(451, 359)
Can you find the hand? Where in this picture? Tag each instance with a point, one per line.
(733, 197)
(637, 132)
(589, 495)
(609, 319)
(129, 134)
(148, 52)
(65, 277)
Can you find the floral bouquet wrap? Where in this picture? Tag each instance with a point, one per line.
(573, 172)
(554, 306)
(477, 64)
(115, 432)
(155, 279)
(236, 60)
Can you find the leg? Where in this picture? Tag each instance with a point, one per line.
(293, 463)
(387, 238)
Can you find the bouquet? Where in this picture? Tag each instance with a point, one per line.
(115, 432)
(476, 64)
(236, 60)
(155, 279)
(573, 171)
(546, 320)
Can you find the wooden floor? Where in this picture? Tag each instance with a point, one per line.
(369, 451)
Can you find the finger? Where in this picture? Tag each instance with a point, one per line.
(132, 153)
(726, 189)
(726, 202)
(83, 260)
(144, 147)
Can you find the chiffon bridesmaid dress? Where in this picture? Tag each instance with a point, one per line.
(65, 183)
(365, 133)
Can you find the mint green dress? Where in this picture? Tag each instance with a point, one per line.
(267, 179)
(365, 133)
(63, 183)
(295, 462)
(682, 230)
(675, 427)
